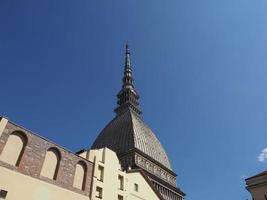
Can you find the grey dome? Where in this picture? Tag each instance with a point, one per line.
(128, 131)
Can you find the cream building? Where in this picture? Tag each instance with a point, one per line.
(257, 186)
(111, 182)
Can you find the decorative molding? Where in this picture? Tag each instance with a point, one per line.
(154, 169)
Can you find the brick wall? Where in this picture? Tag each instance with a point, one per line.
(33, 157)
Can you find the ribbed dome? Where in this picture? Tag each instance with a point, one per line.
(137, 147)
(128, 131)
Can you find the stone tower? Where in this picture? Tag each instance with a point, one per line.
(136, 145)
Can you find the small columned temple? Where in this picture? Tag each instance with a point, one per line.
(125, 162)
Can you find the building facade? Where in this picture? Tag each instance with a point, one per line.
(34, 168)
(257, 186)
(111, 182)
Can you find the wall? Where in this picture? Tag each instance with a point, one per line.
(108, 159)
(259, 192)
(32, 161)
(257, 186)
(111, 169)
(144, 189)
(23, 187)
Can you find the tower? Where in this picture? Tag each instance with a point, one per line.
(136, 145)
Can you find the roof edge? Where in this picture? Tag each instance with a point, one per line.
(257, 175)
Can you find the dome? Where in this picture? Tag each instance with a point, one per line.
(128, 131)
(135, 144)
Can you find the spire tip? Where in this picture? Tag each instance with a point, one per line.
(127, 47)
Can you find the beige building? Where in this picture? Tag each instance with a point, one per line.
(257, 186)
(111, 182)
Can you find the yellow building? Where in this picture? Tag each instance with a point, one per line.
(111, 182)
(257, 186)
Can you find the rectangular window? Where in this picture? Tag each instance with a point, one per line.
(3, 194)
(120, 197)
(120, 182)
(99, 192)
(136, 187)
(100, 175)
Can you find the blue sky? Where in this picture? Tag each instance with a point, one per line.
(199, 67)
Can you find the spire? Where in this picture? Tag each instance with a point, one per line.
(127, 79)
(127, 96)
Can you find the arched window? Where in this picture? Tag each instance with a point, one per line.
(14, 148)
(51, 163)
(80, 176)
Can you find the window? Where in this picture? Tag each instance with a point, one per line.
(99, 192)
(136, 187)
(80, 176)
(3, 194)
(14, 148)
(120, 178)
(51, 163)
(100, 174)
(102, 159)
(120, 197)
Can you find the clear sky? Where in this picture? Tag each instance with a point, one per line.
(200, 67)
